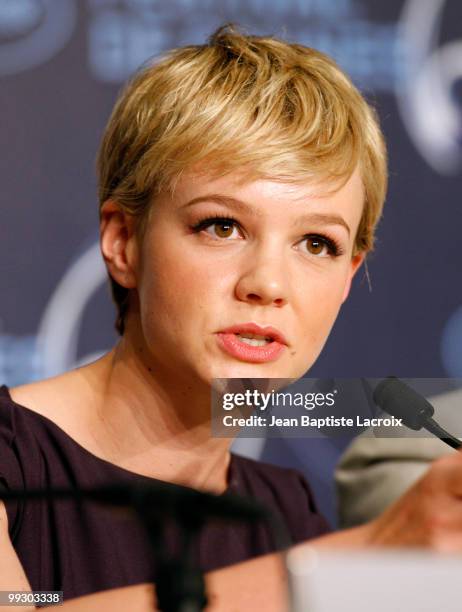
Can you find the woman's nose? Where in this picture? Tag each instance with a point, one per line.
(264, 282)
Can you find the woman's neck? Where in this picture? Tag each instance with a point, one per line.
(151, 425)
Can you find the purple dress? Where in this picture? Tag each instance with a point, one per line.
(81, 548)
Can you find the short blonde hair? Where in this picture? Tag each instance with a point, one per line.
(275, 109)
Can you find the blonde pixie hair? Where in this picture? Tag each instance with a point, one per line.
(255, 104)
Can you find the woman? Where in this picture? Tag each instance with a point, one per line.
(240, 185)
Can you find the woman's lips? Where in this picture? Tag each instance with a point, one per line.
(232, 345)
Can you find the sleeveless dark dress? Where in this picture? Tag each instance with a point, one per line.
(85, 548)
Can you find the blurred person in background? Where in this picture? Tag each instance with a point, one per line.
(374, 472)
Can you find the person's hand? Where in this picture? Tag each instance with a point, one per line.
(428, 515)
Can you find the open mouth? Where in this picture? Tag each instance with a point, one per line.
(250, 347)
(254, 340)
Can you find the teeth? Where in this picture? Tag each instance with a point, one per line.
(253, 340)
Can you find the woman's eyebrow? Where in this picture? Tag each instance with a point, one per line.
(229, 201)
(323, 219)
(243, 207)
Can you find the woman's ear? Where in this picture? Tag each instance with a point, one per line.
(355, 264)
(119, 244)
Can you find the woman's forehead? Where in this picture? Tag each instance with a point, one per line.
(254, 195)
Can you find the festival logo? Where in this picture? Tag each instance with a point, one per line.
(123, 34)
(429, 107)
(33, 31)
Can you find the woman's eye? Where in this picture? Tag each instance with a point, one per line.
(223, 229)
(219, 228)
(319, 246)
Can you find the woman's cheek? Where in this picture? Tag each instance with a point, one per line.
(328, 303)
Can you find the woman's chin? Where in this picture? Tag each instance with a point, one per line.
(251, 371)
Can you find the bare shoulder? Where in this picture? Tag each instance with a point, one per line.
(52, 397)
(63, 399)
(45, 396)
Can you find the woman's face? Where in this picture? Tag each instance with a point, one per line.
(277, 255)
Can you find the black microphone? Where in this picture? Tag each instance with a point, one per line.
(401, 401)
(180, 584)
(162, 498)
